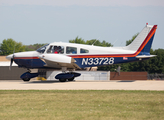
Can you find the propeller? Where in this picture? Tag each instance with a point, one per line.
(11, 62)
(12, 59)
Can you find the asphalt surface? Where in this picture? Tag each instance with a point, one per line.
(81, 85)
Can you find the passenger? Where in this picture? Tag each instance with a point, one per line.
(73, 51)
(55, 50)
(59, 49)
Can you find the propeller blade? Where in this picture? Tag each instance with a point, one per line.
(11, 62)
(12, 59)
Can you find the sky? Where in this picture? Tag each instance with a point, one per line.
(46, 21)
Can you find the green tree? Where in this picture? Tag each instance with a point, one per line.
(77, 40)
(131, 40)
(9, 46)
(106, 44)
(156, 64)
(95, 42)
(33, 47)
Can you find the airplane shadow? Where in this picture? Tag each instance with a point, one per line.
(48, 82)
(127, 81)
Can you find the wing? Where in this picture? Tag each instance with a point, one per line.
(59, 61)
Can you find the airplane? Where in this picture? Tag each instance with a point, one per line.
(70, 56)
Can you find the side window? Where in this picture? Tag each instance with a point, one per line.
(71, 50)
(56, 49)
(83, 50)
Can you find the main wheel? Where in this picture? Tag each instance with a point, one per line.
(71, 79)
(26, 79)
(62, 80)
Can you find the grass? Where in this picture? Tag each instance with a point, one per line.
(81, 105)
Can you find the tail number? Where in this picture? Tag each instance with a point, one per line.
(98, 61)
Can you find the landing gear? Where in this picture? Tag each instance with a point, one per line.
(62, 80)
(64, 76)
(26, 79)
(71, 79)
(27, 75)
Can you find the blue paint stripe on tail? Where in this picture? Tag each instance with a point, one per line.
(147, 47)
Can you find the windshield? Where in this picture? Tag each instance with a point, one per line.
(42, 49)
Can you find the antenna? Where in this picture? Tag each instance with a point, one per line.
(95, 41)
(121, 43)
(115, 41)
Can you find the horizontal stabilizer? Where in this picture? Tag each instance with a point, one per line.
(145, 56)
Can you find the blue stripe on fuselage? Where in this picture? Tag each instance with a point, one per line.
(91, 62)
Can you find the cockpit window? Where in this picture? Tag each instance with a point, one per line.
(42, 49)
(56, 49)
(71, 50)
(83, 50)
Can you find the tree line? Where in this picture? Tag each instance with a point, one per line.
(10, 46)
(153, 65)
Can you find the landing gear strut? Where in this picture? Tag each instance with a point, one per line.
(29, 70)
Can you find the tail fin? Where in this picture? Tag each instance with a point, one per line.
(142, 43)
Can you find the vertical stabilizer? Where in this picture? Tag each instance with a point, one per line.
(143, 42)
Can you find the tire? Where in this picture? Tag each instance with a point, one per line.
(71, 79)
(62, 80)
(26, 79)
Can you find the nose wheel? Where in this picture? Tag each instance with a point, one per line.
(26, 79)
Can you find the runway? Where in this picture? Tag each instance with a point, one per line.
(81, 85)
